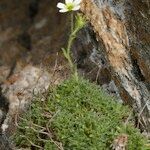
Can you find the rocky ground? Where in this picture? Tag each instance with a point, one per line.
(31, 36)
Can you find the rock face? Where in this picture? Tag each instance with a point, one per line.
(128, 61)
(113, 49)
(20, 88)
(30, 32)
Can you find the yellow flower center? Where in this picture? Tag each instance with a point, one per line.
(70, 6)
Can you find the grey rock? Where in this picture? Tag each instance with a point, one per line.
(20, 88)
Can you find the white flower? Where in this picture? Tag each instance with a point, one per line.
(70, 5)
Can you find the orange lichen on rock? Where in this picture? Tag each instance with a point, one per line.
(111, 30)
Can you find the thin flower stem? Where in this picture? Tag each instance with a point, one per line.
(67, 52)
(72, 22)
(70, 42)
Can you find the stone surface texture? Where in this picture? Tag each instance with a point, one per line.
(113, 50)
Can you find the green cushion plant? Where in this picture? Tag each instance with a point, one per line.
(77, 115)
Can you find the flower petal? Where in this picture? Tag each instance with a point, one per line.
(76, 8)
(63, 10)
(68, 1)
(77, 2)
(61, 5)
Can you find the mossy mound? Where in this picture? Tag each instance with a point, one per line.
(76, 116)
